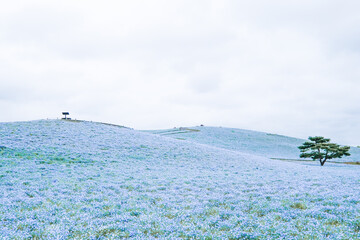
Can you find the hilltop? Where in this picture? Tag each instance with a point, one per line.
(85, 180)
(246, 141)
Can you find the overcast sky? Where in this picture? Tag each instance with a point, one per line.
(286, 67)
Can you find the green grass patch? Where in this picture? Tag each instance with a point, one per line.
(298, 205)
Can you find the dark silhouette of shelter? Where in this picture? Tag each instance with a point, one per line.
(66, 114)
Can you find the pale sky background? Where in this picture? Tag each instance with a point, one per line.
(285, 67)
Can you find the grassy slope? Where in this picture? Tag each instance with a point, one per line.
(86, 180)
(246, 141)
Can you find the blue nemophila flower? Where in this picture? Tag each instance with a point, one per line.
(57, 184)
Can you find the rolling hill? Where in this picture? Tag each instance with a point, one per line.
(84, 180)
(247, 141)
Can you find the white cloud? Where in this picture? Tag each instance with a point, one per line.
(280, 66)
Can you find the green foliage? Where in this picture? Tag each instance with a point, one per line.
(357, 225)
(322, 149)
(299, 205)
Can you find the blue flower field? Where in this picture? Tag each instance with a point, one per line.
(85, 180)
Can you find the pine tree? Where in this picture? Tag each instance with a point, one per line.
(320, 148)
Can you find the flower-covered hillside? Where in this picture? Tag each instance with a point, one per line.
(257, 143)
(82, 180)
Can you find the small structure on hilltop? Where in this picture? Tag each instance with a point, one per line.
(65, 114)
